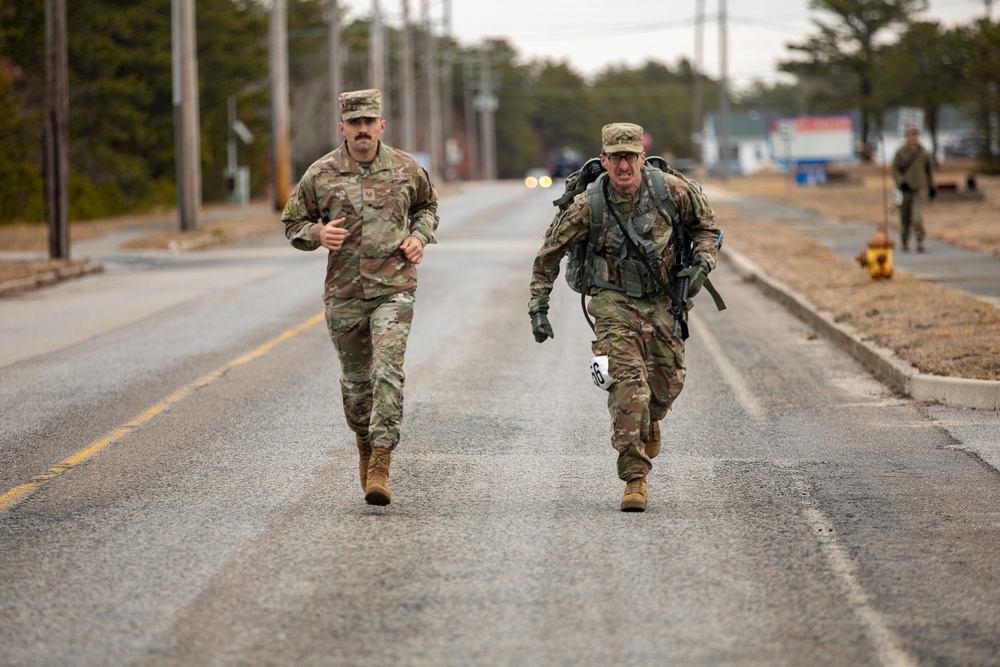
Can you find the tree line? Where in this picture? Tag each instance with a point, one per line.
(866, 55)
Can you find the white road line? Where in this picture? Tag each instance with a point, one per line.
(730, 375)
(887, 645)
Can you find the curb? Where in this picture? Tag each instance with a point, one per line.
(52, 277)
(880, 362)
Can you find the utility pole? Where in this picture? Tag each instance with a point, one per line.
(724, 90)
(409, 138)
(487, 103)
(281, 158)
(697, 109)
(57, 128)
(187, 136)
(434, 93)
(468, 95)
(376, 51)
(446, 94)
(336, 72)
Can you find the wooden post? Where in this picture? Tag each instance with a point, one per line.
(57, 128)
(281, 159)
(186, 115)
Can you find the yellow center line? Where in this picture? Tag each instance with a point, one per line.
(19, 493)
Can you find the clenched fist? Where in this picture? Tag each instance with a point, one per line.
(331, 234)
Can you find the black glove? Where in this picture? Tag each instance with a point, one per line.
(904, 187)
(932, 192)
(540, 326)
(697, 272)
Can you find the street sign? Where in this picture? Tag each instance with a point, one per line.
(909, 116)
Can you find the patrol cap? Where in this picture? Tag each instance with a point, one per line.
(621, 138)
(911, 129)
(361, 104)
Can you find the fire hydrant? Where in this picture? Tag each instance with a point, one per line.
(878, 257)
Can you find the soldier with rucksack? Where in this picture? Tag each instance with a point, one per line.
(642, 241)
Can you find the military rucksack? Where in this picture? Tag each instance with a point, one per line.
(580, 260)
(586, 179)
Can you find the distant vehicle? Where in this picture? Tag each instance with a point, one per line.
(564, 160)
(966, 144)
(536, 178)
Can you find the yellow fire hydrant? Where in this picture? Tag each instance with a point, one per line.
(877, 258)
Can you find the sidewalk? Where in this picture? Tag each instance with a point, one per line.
(956, 268)
(217, 223)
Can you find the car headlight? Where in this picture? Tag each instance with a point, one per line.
(545, 181)
(530, 181)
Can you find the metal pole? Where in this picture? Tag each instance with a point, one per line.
(231, 135)
(57, 128)
(281, 159)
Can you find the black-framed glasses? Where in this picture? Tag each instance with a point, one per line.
(615, 158)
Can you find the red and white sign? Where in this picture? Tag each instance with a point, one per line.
(812, 138)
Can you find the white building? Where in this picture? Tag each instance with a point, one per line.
(750, 150)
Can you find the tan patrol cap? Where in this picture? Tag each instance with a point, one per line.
(621, 138)
(911, 129)
(361, 104)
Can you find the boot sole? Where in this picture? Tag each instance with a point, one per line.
(377, 497)
(633, 506)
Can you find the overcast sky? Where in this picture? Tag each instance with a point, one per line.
(592, 34)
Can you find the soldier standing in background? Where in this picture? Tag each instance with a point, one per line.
(374, 209)
(633, 321)
(911, 170)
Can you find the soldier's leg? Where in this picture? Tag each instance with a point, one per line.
(905, 216)
(390, 326)
(347, 322)
(917, 219)
(666, 372)
(620, 336)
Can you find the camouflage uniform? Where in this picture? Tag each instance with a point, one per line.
(370, 286)
(911, 170)
(637, 334)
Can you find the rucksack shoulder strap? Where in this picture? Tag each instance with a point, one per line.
(595, 195)
(658, 178)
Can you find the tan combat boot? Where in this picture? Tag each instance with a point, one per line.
(634, 498)
(377, 492)
(364, 453)
(653, 444)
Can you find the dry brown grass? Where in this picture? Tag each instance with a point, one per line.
(969, 224)
(938, 330)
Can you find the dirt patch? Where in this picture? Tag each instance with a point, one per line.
(939, 331)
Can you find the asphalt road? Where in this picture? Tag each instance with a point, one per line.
(180, 487)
